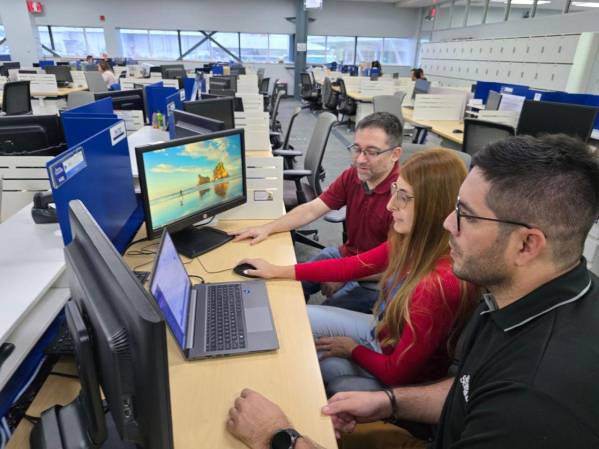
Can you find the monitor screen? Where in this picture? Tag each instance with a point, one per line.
(165, 68)
(221, 82)
(493, 101)
(238, 101)
(31, 135)
(125, 100)
(540, 117)
(222, 109)
(511, 102)
(62, 73)
(421, 87)
(187, 124)
(171, 288)
(184, 181)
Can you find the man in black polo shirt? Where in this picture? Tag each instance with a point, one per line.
(526, 373)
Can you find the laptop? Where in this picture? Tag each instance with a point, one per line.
(209, 320)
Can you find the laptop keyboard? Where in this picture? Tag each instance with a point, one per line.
(225, 327)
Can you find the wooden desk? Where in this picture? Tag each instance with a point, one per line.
(443, 128)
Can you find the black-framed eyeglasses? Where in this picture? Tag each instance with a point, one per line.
(369, 152)
(459, 215)
(402, 198)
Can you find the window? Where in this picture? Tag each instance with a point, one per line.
(135, 43)
(44, 32)
(74, 41)
(164, 44)
(264, 47)
(191, 38)
(4, 50)
(369, 49)
(228, 40)
(279, 46)
(323, 49)
(397, 51)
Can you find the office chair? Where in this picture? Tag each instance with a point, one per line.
(479, 133)
(308, 93)
(264, 86)
(95, 82)
(75, 99)
(275, 125)
(346, 106)
(286, 151)
(260, 75)
(409, 149)
(16, 99)
(392, 104)
(301, 186)
(330, 97)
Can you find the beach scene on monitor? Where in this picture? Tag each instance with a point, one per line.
(186, 179)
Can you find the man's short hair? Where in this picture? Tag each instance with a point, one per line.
(550, 182)
(387, 122)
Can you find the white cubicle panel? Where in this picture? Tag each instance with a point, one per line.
(438, 107)
(134, 120)
(509, 118)
(264, 177)
(45, 83)
(128, 83)
(23, 176)
(78, 79)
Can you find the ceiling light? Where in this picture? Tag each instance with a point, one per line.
(586, 4)
(523, 2)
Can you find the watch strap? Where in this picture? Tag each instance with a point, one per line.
(292, 436)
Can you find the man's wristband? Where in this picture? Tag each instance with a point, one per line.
(393, 401)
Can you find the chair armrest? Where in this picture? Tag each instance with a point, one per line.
(287, 153)
(427, 127)
(274, 133)
(295, 174)
(335, 216)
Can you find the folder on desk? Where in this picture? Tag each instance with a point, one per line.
(97, 171)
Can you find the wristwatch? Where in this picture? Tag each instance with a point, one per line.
(284, 439)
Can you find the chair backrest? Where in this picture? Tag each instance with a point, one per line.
(479, 133)
(95, 82)
(401, 95)
(16, 98)
(341, 84)
(409, 149)
(296, 112)
(75, 99)
(315, 150)
(306, 84)
(390, 104)
(275, 110)
(264, 85)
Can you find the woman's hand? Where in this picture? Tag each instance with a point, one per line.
(335, 347)
(267, 270)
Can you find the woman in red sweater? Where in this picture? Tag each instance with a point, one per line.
(422, 305)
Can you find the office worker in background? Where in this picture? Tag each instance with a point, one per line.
(107, 73)
(417, 74)
(364, 189)
(526, 368)
(422, 305)
(89, 59)
(376, 65)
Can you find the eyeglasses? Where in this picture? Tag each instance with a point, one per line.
(402, 198)
(369, 152)
(459, 215)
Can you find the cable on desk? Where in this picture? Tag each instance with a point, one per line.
(134, 242)
(143, 251)
(202, 281)
(70, 376)
(32, 419)
(213, 272)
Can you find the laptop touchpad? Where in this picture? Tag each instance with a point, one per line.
(257, 319)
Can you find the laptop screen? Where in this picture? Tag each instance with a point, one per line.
(170, 286)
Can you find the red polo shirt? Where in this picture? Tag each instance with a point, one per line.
(367, 219)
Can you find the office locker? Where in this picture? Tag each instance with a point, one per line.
(561, 72)
(564, 49)
(536, 50)
(544, 78)
(499, 50)
(519, 50)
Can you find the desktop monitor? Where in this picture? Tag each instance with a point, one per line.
(62, 73)
(184, 181)
(493, 101)
(125, 100)
(188, 125)
(223, 82)
(218, 108)
(237, 101)
(31, 135)
(89, 67)
(65, 63)
(155, 69)
(543, 117)
(421, 87)
(4, 68)
(120, 342)
(174, 73)
(164, 68)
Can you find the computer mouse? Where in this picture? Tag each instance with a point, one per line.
(458, 131)
(240, 270)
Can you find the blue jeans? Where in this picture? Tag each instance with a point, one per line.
(352, 295)
(340, 374)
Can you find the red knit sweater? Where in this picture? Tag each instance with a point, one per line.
(420, 355)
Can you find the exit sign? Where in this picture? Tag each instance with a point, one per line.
(35, 7)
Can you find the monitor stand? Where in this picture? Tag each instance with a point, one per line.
(193, 242)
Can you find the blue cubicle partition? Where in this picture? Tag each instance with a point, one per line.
(103, 106)
(84, 121)
(45, 63)
(483, 87)
(218, 69)
(194, 86)
(156, 95)
(173, 101)
(97, 171)
(5, 58)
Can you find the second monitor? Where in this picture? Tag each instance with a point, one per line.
(184, 181)
(222, 109)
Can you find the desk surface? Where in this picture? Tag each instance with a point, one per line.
(443, 128)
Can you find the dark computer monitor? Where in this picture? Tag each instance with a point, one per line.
(174, 73)
(218, 108)
(29, 72)
(546, 117)
(125, 100)
(493, 101)
(421, 87)
(31, 135)
(62, 73)
(184, 181)
(173, 68)
(188, 125)
(155, 69)
(223, 92)
(205, 70)
(5, 67)
(67, 63)
(237, 101)
(89, 67)
(118, 329)
(223, 82)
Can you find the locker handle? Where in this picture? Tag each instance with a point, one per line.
(559, 49)
(543, 49)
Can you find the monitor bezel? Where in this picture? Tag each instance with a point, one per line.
(199, 215)
(224, 99)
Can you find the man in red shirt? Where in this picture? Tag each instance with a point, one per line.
(364, 189)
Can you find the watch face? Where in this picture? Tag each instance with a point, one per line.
(281, 440)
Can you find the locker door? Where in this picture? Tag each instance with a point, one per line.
(565, 48)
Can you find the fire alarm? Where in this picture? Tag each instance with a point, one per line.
(102, 18)
(34, 7)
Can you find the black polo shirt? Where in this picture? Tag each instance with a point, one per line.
(529, 373)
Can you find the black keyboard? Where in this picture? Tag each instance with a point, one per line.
(63, 342)
(225, 323)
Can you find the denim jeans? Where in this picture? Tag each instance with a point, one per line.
(340, 374)
(351, 296)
